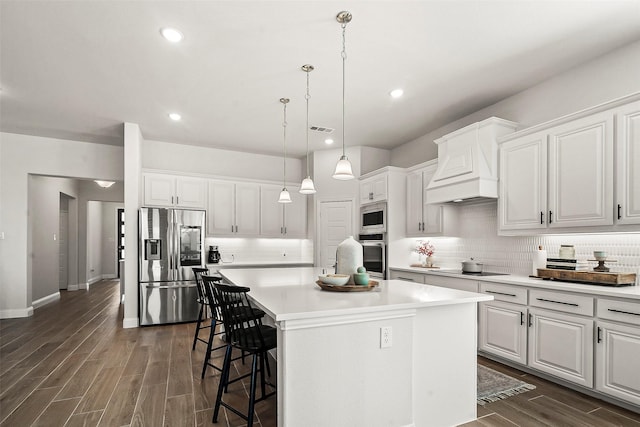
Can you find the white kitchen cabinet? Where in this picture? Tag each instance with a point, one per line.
(406, 276)
(373, 189)
(522, 201)
(561, 345)
(503, 330)
(628, 164)
(282, 220)
(426, 219)
(233, 209)
(580, 172)
(174, 191)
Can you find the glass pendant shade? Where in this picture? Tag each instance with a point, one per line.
(104, 184)
(307, 186)
(285, 197)
(343, 170)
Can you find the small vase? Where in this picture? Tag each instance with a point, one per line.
(428, 262)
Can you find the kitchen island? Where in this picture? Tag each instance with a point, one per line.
(332, 369)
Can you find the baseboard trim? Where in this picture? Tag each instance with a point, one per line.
(130, 322)
(93, 280)
(73, 287)
(109, 276)
(46, 300)
(13, 313)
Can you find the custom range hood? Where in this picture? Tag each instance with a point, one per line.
(468, 162)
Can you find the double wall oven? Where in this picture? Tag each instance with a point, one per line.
(374, 248)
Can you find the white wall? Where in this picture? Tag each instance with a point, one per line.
(21, 155)
(606, 78)
(213, 161)
(110, 238)
(94, 242)
(44, 209)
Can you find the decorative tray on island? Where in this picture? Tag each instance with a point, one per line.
(347, 288)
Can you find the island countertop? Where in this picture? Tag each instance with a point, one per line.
(291, 293)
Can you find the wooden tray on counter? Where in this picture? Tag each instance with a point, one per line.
(347, 288)
(588, 277)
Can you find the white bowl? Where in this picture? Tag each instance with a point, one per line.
(334, 279)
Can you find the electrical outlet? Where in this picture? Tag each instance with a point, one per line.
(386, 337)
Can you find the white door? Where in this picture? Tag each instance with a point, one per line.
(63, 248)
(617, 361)
(335, 225)
(628, 164)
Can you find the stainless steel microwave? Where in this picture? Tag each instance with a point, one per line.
(373, 218)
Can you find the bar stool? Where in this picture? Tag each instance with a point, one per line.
(204, 304)
(245, 332)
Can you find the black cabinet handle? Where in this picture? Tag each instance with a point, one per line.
(550, 217)
(406, 278)
(623, 312)
(521, 318)
(558, 302)
(619, 211)
(541, 217)
(530, 320)
(599, 337)
(500, 293)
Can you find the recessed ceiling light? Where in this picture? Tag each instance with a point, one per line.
(328, 141)
(171, 34)
(396, 93)
(175, 116)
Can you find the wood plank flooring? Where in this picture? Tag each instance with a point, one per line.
(72, 364)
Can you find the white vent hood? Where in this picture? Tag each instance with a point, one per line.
(468, 162)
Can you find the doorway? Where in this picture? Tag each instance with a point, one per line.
(335, 225)
(63, 243)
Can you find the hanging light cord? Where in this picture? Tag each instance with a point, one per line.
(307, 97)
(284, 148)
(344, 58)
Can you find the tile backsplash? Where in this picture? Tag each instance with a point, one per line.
(507, 254)
(245, 250)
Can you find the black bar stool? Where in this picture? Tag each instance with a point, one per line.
(204, 304)
(244, 331)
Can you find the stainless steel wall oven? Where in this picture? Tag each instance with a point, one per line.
(374, 256)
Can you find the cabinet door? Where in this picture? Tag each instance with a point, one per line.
(220, 208)
(373, 189)
(503, 330)
(191, 192)
(581, 172)
(406, 276)
(523, 183)
(295, 216)
(271, 212)
(414, 204)
(628, 164)
(366, 192)
(248, 209)
(159, 190)
(617, 361)
(561, 345)
(433, 218)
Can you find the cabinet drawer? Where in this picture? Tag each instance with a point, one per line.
(469, 285)
(621, 311)
(409, 277)
(568, 303)
(505, 293)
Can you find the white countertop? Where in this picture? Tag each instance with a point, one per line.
(632, 292)
(291, 293)
(259, 264)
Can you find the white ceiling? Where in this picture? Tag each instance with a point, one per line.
(79, 69)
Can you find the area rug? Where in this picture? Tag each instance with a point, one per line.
(494, 385)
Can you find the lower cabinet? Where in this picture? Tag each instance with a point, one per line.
(561, 345)
(503, 330)
(406, 276)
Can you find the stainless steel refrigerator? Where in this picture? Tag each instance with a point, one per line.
(171, 244)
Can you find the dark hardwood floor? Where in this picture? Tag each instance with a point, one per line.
(72, 364)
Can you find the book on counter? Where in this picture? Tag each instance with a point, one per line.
(567, 264)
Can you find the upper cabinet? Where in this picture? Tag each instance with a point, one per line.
(174, 191)
(233, 209)
(560, 177)
(287, 220)
(373, 189)
(628, 163)
(426, 219)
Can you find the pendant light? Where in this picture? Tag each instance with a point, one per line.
(285, 197)
(307, 186)
(343, 170)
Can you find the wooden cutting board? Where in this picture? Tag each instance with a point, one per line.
(591, 277)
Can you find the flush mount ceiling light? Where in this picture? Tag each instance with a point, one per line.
(171, 34)
(104, 184)
(285, 197)
(343, 170)
(328, 141)
(396, 93)
(175, 117)
(307, 186)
